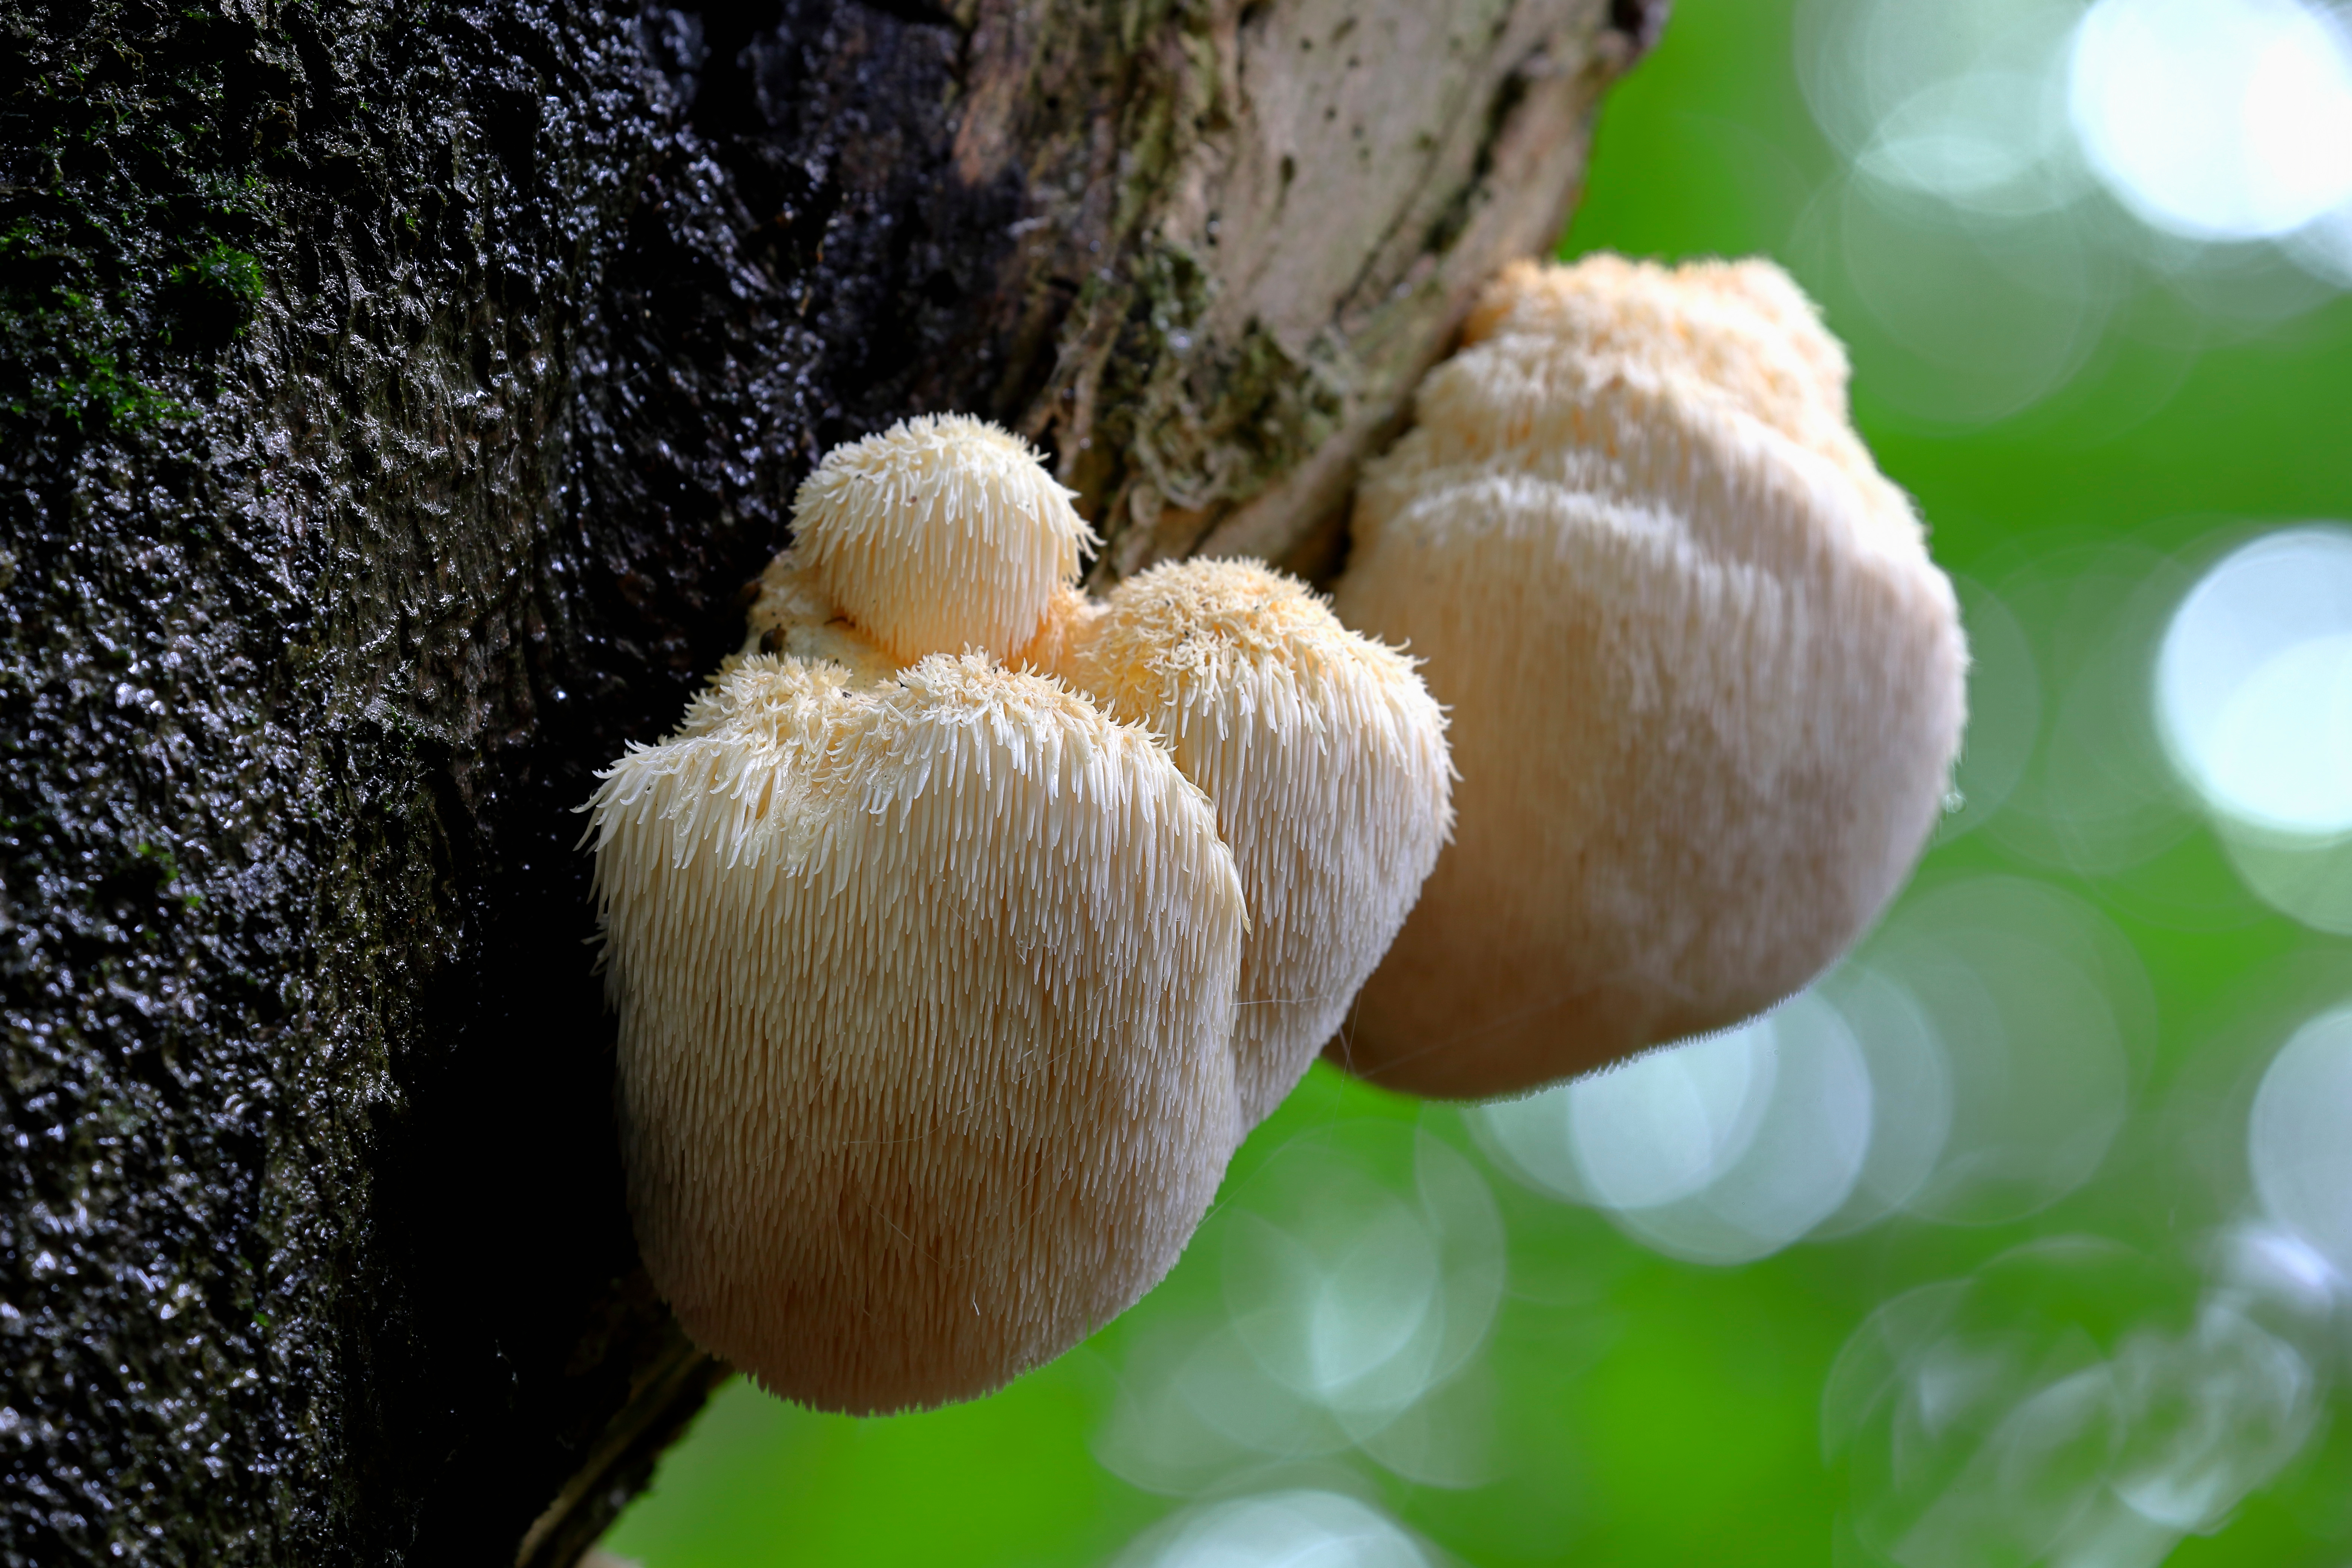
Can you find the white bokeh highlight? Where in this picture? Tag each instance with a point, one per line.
(2039, 1007)
(2253, 696)
(1971, 1065)
(1667, 1124)
(1719, 1151)
(2056, 1407)
(2019, 174)
(1359, 1278)
(2299, 1139)
(2253, 684)
(2218, 119)
(1368, 1297)
(2094, 797)
(1299, 1528)
(1966, 104)
(1910, 1089)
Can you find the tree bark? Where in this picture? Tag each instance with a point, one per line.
(396, 399)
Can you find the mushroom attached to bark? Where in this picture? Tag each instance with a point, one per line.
(1705, 684)
(926, 989)
(925, 968)
(941, 533)
(1324, 756)
(1322, 751)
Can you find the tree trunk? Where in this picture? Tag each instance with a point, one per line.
(396, 399)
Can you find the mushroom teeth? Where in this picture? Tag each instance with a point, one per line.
(1326, 758)
(942, 533)
(925, 992)
(1743, 328)
(1705, 685)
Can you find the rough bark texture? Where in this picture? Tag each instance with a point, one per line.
(395, 398)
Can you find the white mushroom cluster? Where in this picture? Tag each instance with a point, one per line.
(1325, 757)
(967, 923)
(1705, 686)
(964, 925)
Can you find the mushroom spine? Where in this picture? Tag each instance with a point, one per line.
(1326, 759)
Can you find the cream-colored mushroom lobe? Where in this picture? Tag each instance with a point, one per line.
(1743, 328)
(791, 615)
(941, 533)
(1324, 756)
(1705, 685)
(925, 991)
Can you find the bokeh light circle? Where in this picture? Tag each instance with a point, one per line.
(2253, 684)
(1359, 1277)
(1280, 1529)
(2094, 797)
(1966, 104)
(2227, 119)
(1910, 1089)
(1718, 1150)
(1959, 322)
(2299, 1138)
(2039, 1005)
(1664, 1125)
(2069, 1403)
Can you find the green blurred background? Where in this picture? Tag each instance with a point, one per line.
(2054, 1300)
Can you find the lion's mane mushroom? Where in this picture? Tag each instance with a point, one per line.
(926, 991)
(941, 533)
(926, 968)
(1325, 757)
(1321, 750)
(1705, 684)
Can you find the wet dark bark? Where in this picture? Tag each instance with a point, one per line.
(394, 399)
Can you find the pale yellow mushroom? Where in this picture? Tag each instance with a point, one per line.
(1743, 328)
(1322, 750)
(1705, 684)
(926, 989)
(1324, 756)
(940, 534)
(941, 1005)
